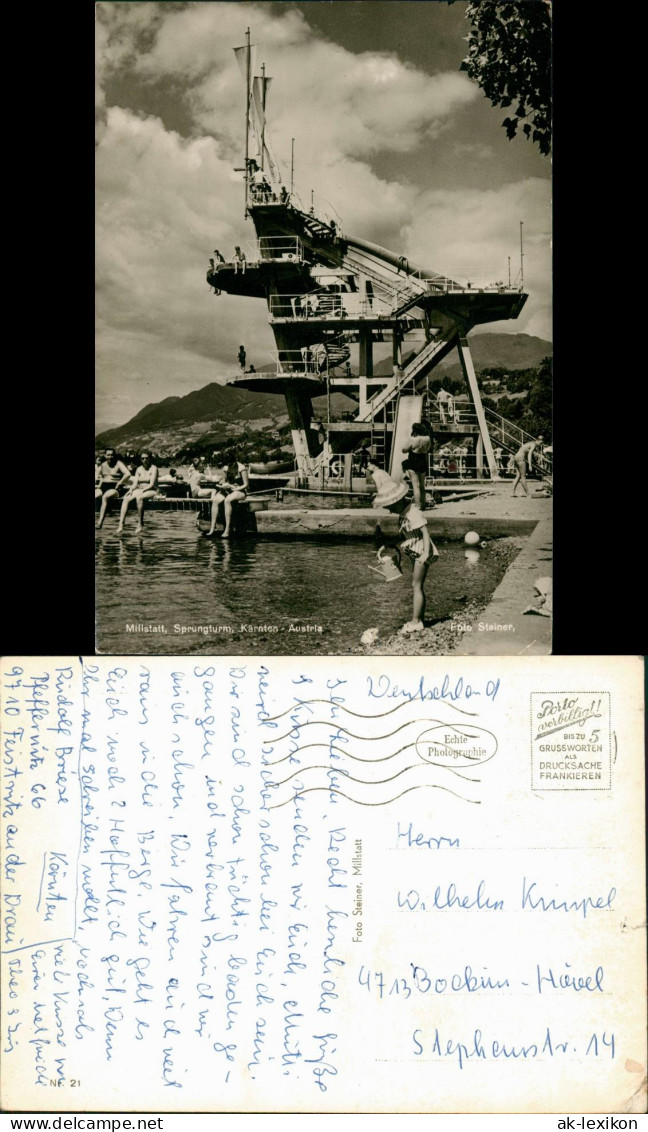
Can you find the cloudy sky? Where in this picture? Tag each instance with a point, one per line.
(386, 127)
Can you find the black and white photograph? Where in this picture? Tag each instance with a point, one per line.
(324, 328)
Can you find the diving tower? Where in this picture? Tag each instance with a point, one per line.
(332, 298)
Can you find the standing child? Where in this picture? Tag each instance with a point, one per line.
(415, 543)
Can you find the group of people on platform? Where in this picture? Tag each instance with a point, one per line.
(138, 475)
(135, 479)
(454, 459)
(229, 484)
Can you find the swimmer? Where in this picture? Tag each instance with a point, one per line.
(195, 477)
(237, 482)
(110, 474)
(522, 459)
(143, 487)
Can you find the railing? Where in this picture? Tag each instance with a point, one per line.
(400, 286)
(328, 304)
(451, 412)
(478, 281)
(511, 436)
(316, 206)
(311, 361)
(408, 374)
(264, 191)
(404, 284)
(280, 247)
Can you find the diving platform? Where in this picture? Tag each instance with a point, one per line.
(332, 297)
(310, 383)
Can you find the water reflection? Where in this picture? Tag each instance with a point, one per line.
(260, 596)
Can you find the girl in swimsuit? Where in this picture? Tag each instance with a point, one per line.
(144, 486)
(415, 543)
(237, 483)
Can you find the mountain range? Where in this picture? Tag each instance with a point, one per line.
(217, 412)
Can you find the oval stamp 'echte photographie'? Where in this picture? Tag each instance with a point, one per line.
(456, 745)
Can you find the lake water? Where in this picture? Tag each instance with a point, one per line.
(171, 576)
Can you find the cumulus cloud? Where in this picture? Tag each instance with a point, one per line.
(164, 203)
(166, 200)
(471, 233)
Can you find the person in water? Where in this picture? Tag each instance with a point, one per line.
(415, 466)
(143, 487)
(415, 542)
(522, 458)
(111, 473)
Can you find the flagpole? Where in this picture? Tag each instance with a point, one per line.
(292, 165)
(263, 103)
(247, 120)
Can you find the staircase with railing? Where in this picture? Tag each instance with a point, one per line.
(398, 287)
(419, 363)
(512, 437)
(319, 230)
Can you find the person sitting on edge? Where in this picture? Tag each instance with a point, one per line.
(109, 477)
(416, 465)
(132, 463)
(218, 257)
(195, 477)
(211, 271)
(522, 459)
(415, 543)
(239, 260)
(237, 482)
(144, 486)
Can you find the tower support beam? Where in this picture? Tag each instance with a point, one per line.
(465, 357)
(365, 365)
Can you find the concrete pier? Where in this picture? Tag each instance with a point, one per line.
(361, 523)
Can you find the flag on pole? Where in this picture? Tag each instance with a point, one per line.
(241, 59)
(264, 149)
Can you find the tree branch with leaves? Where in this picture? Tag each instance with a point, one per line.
(509, 56)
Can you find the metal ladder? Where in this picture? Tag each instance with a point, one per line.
(380, 432)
